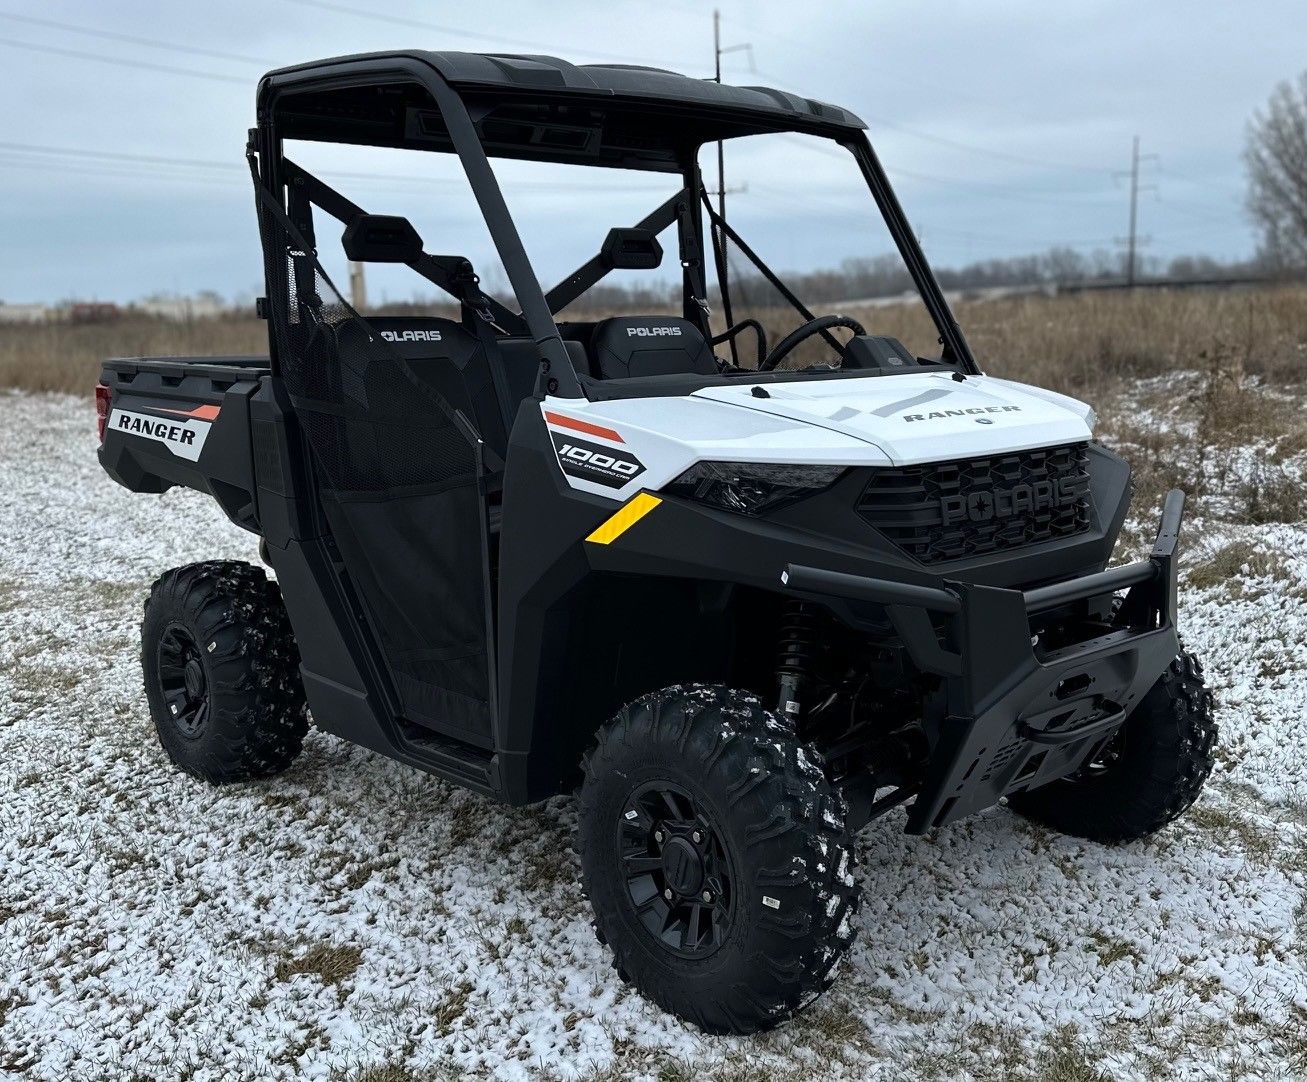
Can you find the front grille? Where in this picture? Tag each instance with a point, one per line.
(954, 510)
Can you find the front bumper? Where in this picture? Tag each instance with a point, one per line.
(1017, 716)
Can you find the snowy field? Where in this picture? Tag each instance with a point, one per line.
(356, 919)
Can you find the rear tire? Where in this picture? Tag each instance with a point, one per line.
(717, 857)
(222, 672)
(1147, 776)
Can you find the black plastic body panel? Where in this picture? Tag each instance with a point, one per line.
(1017, 715)
(833, 513)
(168, 388)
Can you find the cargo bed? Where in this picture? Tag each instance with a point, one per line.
(183, 421)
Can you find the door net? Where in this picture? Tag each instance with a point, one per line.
(400, 476)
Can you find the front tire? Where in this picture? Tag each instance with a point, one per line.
(717, 857)
(222, 672)
(1148, 775)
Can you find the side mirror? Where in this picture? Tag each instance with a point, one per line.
(381, 238)
(631, 249)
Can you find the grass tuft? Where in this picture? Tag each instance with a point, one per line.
(330, 964)
(1236, 559)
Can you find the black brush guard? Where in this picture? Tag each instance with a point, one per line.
(1018, 716)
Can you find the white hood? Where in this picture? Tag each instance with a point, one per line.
(927, 417)
(615, 448)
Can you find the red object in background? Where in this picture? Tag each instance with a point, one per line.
(102, 397)
(93, 312)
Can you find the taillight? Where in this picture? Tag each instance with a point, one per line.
(102, 398)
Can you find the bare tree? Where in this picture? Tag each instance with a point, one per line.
(1276, 156)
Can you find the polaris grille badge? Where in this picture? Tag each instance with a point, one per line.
(986, 505)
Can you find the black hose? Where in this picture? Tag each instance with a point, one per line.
(746, 324)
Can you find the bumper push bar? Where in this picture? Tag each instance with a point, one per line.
(1017, 715)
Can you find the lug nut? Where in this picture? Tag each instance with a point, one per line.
(697, 836)
(668, 894)
(707, 896)
(658, 835)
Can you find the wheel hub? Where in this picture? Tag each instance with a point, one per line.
(678, 874)
(194, 678)
(183, 681)
(682, 867)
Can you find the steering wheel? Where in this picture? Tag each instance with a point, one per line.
(801, 334)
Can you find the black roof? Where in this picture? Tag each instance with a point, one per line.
(548, 75)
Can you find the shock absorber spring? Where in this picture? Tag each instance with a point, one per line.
(794, 655)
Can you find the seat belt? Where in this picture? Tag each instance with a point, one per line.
(480, 320)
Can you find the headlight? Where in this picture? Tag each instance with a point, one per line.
(751, 488)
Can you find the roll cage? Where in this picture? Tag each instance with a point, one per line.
(540, 108)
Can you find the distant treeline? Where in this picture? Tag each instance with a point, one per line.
(885, 276)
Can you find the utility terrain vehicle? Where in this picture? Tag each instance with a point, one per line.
(747, 608)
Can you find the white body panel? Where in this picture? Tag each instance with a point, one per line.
(927, 417)
(877, 421)
(183, 436)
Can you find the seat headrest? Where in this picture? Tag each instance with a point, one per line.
(627, 346)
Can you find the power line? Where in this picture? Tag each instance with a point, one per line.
(979, 187)
(779, 197)
(114, 157)
(139, 65)
(956, 144)
(1002, 155)
(533, 46)
(130, 39)
(115, 170)
(1207, 184)
(117, 155)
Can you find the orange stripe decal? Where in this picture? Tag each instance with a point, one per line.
(583, 426)
(200, 413)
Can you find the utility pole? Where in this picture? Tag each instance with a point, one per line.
(718, 51)
(1134, 215)
(717, 76)
(358, 289)
(1133, 241)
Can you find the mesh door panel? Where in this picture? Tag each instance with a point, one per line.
(399, 479)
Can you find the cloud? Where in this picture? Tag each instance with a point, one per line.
(1002, 123)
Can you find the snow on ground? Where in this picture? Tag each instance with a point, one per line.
(356, 919)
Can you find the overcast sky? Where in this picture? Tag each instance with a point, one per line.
(1002, 123)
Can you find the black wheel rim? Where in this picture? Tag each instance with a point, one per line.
(678, 873)
(184, 681)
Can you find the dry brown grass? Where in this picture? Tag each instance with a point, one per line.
(1089, 344)
(1079, 342)
(1230, 561)
(331, 964)
(1084, 344)
(1272, 495)
(67, 357)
